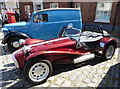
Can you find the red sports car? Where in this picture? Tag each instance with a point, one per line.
(74, 46)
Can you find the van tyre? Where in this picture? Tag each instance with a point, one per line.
(37, 71)
(13, 43)
(108, 52)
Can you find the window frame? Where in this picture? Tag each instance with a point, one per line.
(75, 6)
(51, 4)
(109, 11)
(37, 8)
(42, 18)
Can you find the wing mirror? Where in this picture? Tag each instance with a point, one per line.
(70, 25)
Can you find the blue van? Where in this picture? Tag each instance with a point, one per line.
(45, 24)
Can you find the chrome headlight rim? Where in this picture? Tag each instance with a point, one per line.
(22, 41)
(26, 49)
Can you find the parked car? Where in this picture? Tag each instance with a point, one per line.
(74, 46)
(44, 24)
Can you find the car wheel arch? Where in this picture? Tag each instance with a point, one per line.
(111, 42)
(14, 34)
(28, 64)
(114, 43)
(36, 57)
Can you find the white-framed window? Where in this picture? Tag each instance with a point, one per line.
(77, 5)
(103, 12)
(54, 5)
(38, 7)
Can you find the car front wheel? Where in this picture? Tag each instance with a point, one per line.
(37, 71)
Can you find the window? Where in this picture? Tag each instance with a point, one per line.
(77, 5)
(27, 8)
(103, 12)
(54, 5)
(38, 7)
(41, 18)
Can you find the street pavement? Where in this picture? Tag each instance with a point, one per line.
(92, 73)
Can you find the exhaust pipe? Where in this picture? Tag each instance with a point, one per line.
(84, 58)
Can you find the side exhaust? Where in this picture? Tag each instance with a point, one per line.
(84, 58)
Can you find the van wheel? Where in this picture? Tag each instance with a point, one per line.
(13, 43)
(37, 71)
(108, 52)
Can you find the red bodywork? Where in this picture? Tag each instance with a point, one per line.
(59, 50)
(32, 41)
(107, 40)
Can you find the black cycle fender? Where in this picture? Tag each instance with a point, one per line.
(14, 34)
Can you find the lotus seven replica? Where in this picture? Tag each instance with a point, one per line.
(36, 57)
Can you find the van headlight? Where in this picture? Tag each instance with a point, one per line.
(26, 49)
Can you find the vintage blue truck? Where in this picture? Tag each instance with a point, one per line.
(45, 24)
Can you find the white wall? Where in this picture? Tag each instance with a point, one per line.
(10, 4)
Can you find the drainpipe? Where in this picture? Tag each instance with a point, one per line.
(116, 16)
(71, 3)
(4, 5)
(34, 6)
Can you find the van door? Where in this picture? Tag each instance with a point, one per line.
(38, 27)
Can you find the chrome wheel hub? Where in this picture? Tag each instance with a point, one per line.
(39, 70)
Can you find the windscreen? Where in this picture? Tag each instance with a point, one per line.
(72, 32)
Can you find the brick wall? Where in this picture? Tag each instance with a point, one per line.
(89, 10)
(46, 5)
(113, 14)
(61, 4)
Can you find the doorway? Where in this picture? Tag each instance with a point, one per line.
(26, 7)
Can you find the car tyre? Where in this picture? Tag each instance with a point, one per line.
(37, 71)
(12, 41)
(108, 52)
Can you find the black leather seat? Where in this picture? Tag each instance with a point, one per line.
(90, 39)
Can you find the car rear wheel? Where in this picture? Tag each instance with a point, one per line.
(37, 71)
(13, 43)
(108, 52)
